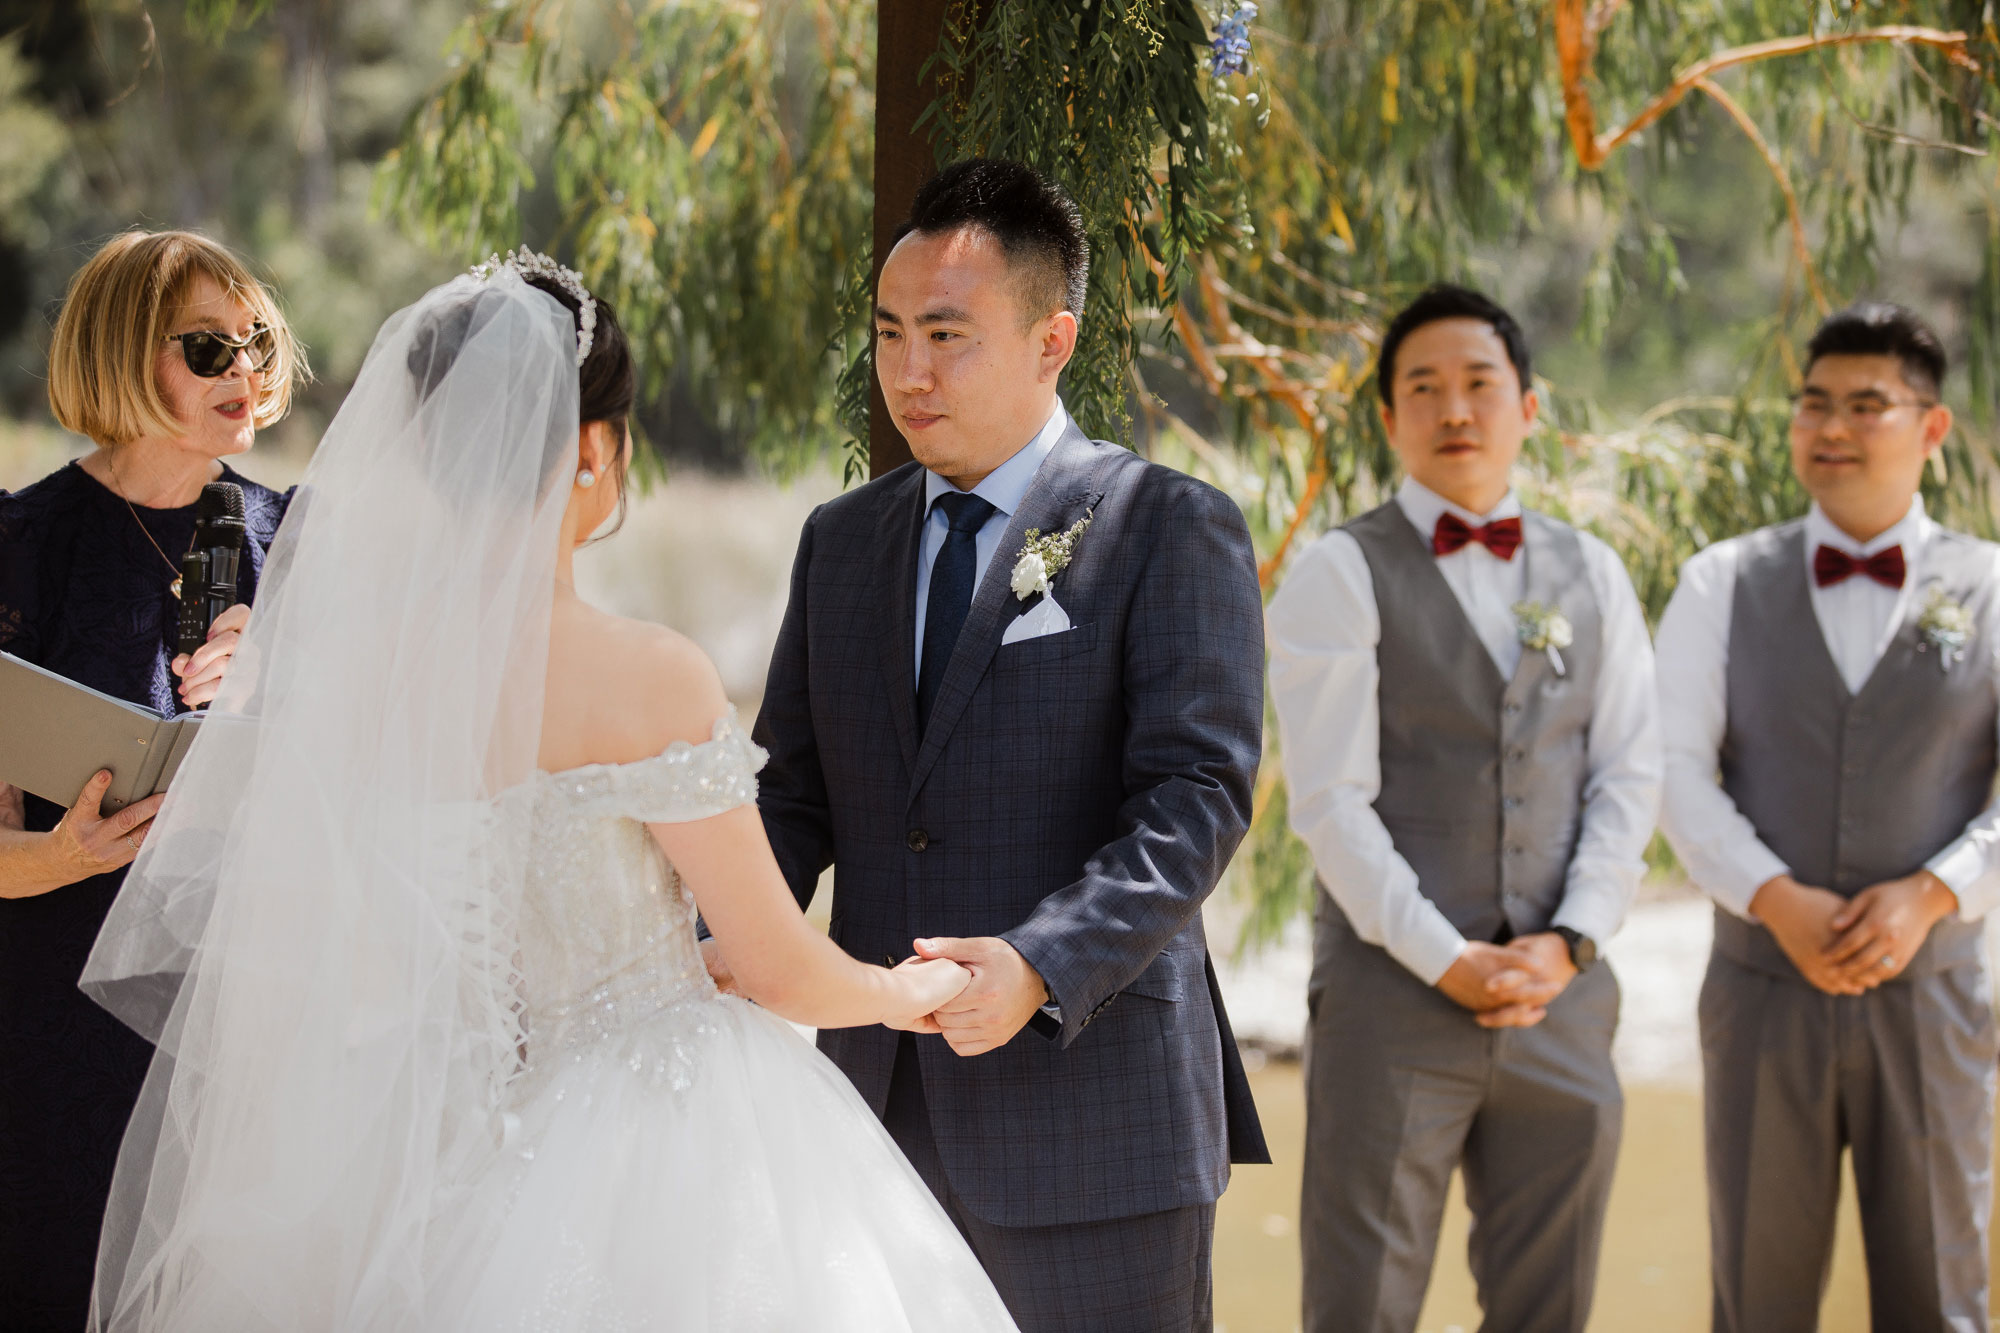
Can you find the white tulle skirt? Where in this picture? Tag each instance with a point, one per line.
(705, 1169)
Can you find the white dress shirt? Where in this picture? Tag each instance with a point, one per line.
(1858, 618)
(1004, 488)
(1323, 627)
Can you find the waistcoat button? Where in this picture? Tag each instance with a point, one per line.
(918, 840)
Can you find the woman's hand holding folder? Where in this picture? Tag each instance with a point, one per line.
(84, 844)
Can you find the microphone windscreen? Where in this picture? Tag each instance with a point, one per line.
(220, 499)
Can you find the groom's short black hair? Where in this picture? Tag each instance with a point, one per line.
(1878, 328)
(1039, 227)
(1447, 301)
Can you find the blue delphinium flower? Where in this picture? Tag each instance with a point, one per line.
(1230, 52)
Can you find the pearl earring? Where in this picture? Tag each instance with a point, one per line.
(586, 478)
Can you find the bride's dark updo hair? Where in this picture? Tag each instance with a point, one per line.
(605, 381)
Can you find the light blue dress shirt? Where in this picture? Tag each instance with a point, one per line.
(1004, 488)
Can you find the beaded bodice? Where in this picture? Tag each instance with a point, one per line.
(607, 928)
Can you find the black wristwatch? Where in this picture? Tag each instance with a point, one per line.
(1582, 948)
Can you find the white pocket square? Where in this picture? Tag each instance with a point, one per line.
(1046, 618)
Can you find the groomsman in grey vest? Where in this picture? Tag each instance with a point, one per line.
(1828, 693)
(1466, 711)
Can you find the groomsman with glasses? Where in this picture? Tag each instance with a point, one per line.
(1828, 692)
(1466, 712)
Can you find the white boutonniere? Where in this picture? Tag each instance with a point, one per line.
(1544, 629)
(1044, 557)
(1945, 625)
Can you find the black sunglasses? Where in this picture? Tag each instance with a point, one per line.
(210, 354)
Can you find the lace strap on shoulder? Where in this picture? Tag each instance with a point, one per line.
(688, 782)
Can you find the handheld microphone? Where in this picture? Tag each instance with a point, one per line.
(208, 570)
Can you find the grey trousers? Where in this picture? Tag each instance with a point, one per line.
(1147, 1274)
(1903, 1079)
(1402, 1086)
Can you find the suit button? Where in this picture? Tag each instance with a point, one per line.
(1510, 802)
(1516, 754)
(1513, 707)
(1513, 850)
(918, 840)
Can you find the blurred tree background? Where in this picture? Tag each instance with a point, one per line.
(116, 114)
(1669, 192)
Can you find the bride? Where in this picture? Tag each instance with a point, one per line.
(414, 932)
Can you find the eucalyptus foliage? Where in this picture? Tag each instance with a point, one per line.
(1108, 98)
(1396, 143)
(1384, 144)
(706, 165)
(1261, 191)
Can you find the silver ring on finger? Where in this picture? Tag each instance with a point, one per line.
(130, 839)
(1887, 962)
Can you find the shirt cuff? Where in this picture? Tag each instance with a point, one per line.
(1433, 945)
(1739, 883)
(1962, 866)
(1589, 915)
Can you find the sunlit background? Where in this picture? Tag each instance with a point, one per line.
(1370, 149)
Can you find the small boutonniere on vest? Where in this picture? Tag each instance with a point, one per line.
(1945, 625)
(1543, 629)
(1043, 557)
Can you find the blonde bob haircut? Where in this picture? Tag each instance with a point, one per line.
(103, 361)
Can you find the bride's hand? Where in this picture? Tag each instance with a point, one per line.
(921, 987)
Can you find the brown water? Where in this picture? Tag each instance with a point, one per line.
(1654, 1274)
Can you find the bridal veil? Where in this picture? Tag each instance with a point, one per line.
(317, 930)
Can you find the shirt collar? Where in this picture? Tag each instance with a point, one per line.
(1910, 532)
(1424, 507)
(1007, 485)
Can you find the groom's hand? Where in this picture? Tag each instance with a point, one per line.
(718, 967)
(1003, 995)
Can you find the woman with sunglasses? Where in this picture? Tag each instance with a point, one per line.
(168, 355)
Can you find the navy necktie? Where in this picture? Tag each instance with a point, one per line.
(953, 577)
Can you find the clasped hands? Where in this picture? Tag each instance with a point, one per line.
(1002, 992)
(1510, 985)
(1847, 946)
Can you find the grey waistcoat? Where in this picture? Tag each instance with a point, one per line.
(1850, 790)
(1482, 778)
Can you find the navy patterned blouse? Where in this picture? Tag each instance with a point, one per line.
(84, 594)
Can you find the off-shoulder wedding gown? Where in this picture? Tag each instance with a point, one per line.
(677, 1158)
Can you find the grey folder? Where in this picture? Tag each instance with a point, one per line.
(56, 734)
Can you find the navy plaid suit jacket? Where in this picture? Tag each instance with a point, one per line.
(1076, 794)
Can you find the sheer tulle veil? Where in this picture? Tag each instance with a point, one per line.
(317, 931)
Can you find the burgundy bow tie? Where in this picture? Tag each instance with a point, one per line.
(1886, 567)
(1502, 536)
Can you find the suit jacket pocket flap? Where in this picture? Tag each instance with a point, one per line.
(1162, 980)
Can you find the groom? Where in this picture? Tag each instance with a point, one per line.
(1043, 787)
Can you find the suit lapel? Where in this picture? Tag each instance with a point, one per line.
(1059, 495)
(906, 523)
